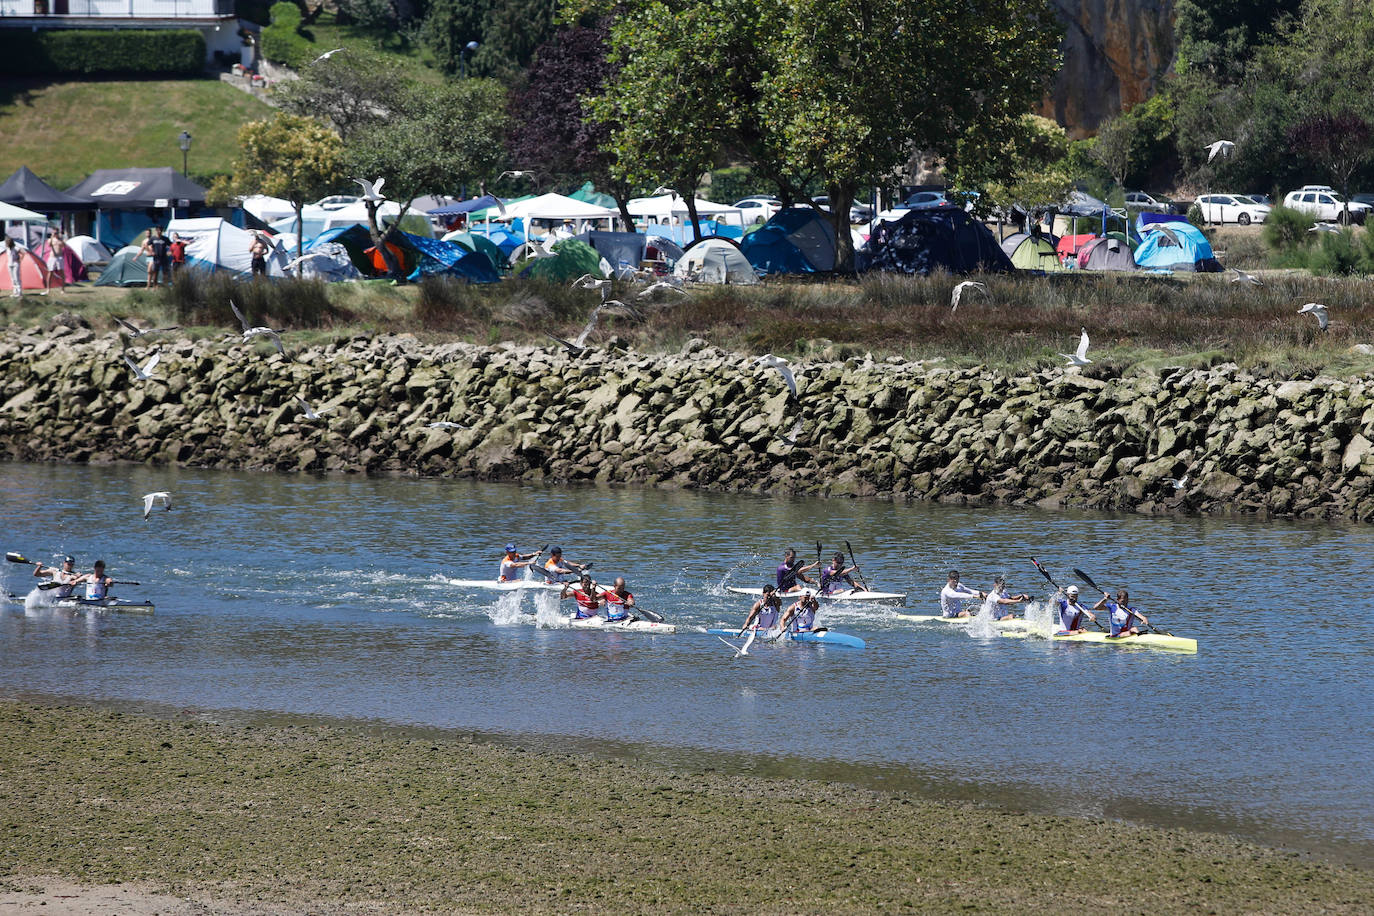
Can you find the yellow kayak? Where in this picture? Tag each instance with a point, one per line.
(1147, 640)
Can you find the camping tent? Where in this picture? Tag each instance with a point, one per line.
(25, 189)
(70, 269)
(1068, 247)
(630, 249)
(135, 189)
(319, 220)
(1176, 246)
(126, 268)
(469, 242)
(214, 245)
(944, 238)
(88, 249)
(666, 206)
(33, 273)
(1032, 252)
(716, 261)
(571, 259)
(1106, 254)
(12, 213)
(797, 240)
(556, 207)
(329, 262)
(589, 194)
(419, 256)
(268, 209)
(506, 239)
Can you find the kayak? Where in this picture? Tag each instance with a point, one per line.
(822, 637)
(1146, 640)
(852, 594)
(1006, 623)
(95, 604)
(633, 625)
(513, 586)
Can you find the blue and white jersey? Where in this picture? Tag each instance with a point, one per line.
(95, 589)
(1069, 613)
(1120, 617)
(804, 618)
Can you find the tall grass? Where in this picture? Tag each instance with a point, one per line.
(199, 297)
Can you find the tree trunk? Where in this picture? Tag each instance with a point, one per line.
(299, 206)
(623, 204)
(692, 215)
(841, 199)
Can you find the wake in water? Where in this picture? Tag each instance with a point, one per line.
(718, 590)
(547, 611)
(505, 611)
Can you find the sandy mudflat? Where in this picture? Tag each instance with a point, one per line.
(111, 813)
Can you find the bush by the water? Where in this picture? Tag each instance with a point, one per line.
(450, 304)
(102, 52)
(282, 42)
(1287, 228)
(198, 297)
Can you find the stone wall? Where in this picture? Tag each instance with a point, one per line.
(703, 418)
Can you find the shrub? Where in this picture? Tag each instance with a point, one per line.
(200, 297)
(450, 304)
(1287, 228)
(370, 14)
(282, 41)
(1336, 254)
(102, 52)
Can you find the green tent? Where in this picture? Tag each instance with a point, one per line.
(1031, 252)
(572, 259)
(469, 242)
(590, 195)
(126, 268)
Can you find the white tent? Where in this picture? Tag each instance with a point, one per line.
(268, 209)
(88, 249)
(213, 244)
(318, 219)
(715, 260)
(557, 207)
(9, 213)
(666, 206)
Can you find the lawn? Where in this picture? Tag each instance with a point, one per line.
(66, 130)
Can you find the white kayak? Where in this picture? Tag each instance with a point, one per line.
(849, 594)
(514, 585)
(632, 625)
(94, 605)
(1006, 623)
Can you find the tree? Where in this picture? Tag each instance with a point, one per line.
(1337, 143)
(1024, 167)
(1113, 146)
(351, 91)
(290, 156)
(448, 28)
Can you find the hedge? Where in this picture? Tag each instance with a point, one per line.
(103, 52)
(282, 42)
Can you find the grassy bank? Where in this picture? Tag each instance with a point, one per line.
(1024, 323)
(331, 819)
(47, 126)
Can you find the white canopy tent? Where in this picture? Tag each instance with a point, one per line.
(666, 206)
(268, 209)
(557, 207)
(319, 219)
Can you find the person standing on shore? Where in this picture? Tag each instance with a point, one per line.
(15, 256)
(177, 249)
(155, 249)
(953, 596)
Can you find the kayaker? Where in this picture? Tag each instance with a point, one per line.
(953, 596)
(556, 569)
(790, 570)
(835, 576)
(513, 562)
(619, 600)
(1120, 614)
(764, 614)
(96, 582)
(1002, 606)
(588, 596)
(1071, 612)
(66, 575)
(801, 616)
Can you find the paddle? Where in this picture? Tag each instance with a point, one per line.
(51, 585)
(18, 558)
(1088, 581)
(855, 564)
(651, 616)
(1046, 573)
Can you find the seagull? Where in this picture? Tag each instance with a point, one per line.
(1179, 482)
(793, 434)
(160, 498)
(1317, 309)
(1080, 356)
(146, 372)
(372, 190)
(578, 345)
(250, 332)
(534, 248)
(444, 424)
(587, 281)
(310, 412)
(674, 285)
(137, 332)
(514, 173)
(1220, 148)
(966, 285)
(1325, 227)
(783, 366)
(327, 54)
(296, 262)
(1248, 279)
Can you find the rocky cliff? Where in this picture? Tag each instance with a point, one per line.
(1115, 54)
(704, 418)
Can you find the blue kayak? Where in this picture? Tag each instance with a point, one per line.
(822, 637)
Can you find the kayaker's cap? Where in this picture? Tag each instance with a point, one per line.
(69, 559)
(1071, 590)
(556, 552)
(510, 548)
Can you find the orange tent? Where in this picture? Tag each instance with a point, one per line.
(33, 273)
(379, 262)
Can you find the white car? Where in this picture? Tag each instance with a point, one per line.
(752, 208)
(1139, 200)
(1232, 208)
(1324, 204)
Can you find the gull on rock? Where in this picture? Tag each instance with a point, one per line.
(966, 286)
(136, 332)
(444, 424)
(310, 412)
(784, 369)
(1317, 310)
(146, 372)
(1080, 356)
(160, 498)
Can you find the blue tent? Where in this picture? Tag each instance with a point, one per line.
(923, 241)
(422, 257)
(797, 240)
(1176, 246)
(505, 239)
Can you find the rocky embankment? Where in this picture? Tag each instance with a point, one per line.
(702, 418)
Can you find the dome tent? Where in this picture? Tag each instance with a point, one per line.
(126, 268)
(1032, 252)
(797, 240)
(922, 241)
(571, 260)
(1106, 254)
(714, 260)
(1176, 246)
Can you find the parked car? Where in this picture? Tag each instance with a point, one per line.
(1232, 208)
(336, 201)
(1139, 200)
(1261, 199)
(926, 200)
(752, 208)
(1362, 199)
(1325, 205)
(858, 213)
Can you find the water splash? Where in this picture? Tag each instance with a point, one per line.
(505, 611)
(547, 612)
(719, 589)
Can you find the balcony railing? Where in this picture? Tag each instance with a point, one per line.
(115, 9)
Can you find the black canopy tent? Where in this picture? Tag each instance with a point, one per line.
(25, 189)
(132, 189)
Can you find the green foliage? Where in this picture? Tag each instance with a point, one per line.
(282, 42)
(1114, 145)
(1152, 145)
(730, 184)
(370, 14)
(347, 91)
(448, 27)
(1336, 253)
(1028, 169)
(290, 156)
(198, 297)
(102, 52)
(1287, 228)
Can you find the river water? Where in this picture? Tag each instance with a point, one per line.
(335, 597)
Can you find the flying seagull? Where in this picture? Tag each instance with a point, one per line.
(960, 289)
(1248, 279)
(1220, 148)
(327, 54)
(587, 281)
(250, 332)
(145, 373)
(534, 248)
(1179, 482)
(444, 424)
(160, 498)
(793, 434)
(310, 412)
(1318, 310)
(136, 332)
(662, 284)
(372, 190)
(1080, 356)
(578, 344)
(296, 262)
(783, 367)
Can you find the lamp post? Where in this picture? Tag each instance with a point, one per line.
(463, 58)
(184, 141)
